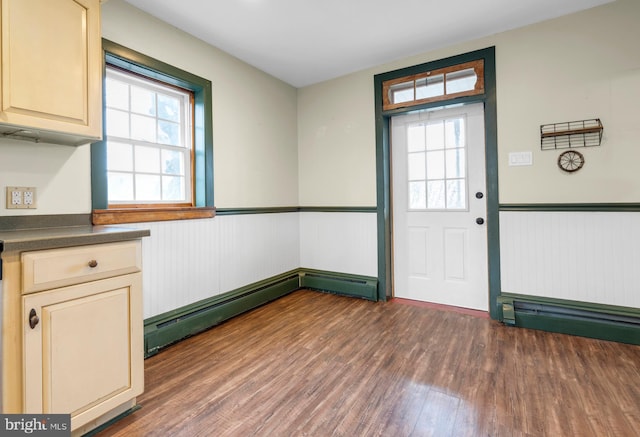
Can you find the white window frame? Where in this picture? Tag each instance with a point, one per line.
(185, 146)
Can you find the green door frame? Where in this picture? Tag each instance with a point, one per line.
(383, 171)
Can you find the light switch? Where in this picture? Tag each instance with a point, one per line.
(520, 158)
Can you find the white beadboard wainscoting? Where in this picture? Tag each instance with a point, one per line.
(344, 242)
(190, 260)
(579, 256)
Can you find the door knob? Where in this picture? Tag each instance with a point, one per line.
(480, 221)
(479, 195)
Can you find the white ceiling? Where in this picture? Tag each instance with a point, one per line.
(307, 41)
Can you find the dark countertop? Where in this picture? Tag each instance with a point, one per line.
(50, 238)
(19, 235)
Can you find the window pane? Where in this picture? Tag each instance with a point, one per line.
(401, 92)
(147, 159)
(159, 163)
(435, 195)
(435, 165)
(455, 132)
(416, 138)
(120, 187)
(416, 166)
(147, 187)
(168, 108)
(119, 156)
(117, 123)
(172, 188)
(435, 136)
(143, 101)
(430, 87)
(117, 94)
(143, 128)
(463, 80)
(168, 133)
(417, 195)
(456, 163)
(172, 162)
(456, 194)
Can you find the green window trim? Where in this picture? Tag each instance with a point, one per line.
(135, 62)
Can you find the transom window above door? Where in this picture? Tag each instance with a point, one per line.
(437, 164)
(460, 80)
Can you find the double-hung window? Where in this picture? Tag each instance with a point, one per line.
(149, 141)
(156, 158)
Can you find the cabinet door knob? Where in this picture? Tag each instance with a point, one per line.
(93, 263)
(33, 318)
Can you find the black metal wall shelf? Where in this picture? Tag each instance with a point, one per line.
(583, 133)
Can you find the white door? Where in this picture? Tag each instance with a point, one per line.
(439, 207)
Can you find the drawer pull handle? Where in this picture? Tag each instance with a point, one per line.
(93, 263)
(33, 318)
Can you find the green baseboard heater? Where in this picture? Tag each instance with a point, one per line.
(605, 322)
(168, 328)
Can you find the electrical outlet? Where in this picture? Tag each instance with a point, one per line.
(16, 197)
(21, 197)
(29, 197)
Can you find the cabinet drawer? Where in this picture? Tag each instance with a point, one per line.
(45, 269)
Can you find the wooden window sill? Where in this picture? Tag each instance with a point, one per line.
(155, 214)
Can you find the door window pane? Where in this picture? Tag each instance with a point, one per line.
(456, 194)
(437, 177)
(435, 136)
(456, 163)
(435, 195)
(417, 195)
(435, 165)
(417, 166)
(454, 132)
(416, 138)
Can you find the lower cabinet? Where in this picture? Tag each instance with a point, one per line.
(83, 351)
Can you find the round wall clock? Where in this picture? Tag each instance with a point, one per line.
(570, 161)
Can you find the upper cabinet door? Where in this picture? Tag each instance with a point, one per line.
(51, 71)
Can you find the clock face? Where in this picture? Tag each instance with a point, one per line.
(570, 161)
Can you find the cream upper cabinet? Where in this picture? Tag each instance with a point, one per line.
(51, 72)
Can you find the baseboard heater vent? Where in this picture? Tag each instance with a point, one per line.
(577, 314)
(195, 313)
(349, 285)
(169, 328)
(601, 322)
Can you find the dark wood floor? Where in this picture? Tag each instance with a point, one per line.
(314, 364)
